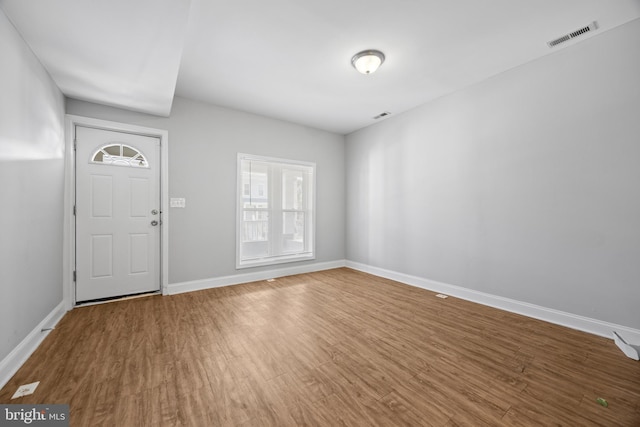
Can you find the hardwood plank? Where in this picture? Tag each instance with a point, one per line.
(338, 347)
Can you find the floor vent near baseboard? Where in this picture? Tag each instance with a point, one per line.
(591, 27)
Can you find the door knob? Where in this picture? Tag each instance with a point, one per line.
(154, 212)
(154, 222)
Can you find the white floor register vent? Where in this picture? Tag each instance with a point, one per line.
(25, 390)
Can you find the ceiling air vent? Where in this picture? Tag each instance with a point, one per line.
(591, 27)
(386, 113)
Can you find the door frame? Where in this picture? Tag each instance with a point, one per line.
(69, 228)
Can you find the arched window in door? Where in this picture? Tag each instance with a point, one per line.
(120, 155)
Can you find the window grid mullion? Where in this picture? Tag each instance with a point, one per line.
(277, 210)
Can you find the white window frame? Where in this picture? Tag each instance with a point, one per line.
(276, 210)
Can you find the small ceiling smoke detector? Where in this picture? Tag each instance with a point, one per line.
(591, 27)
(367, 61)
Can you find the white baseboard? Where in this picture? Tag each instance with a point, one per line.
(216, 282)
(14, 360)
(569, 320)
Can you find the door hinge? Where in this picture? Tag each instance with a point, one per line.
(74, 210)
(74, 276)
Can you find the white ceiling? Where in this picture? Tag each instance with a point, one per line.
(124, 53)
(290, 59)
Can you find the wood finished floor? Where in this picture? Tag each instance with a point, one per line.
(332, 348)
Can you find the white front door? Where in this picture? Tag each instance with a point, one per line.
(117, 214)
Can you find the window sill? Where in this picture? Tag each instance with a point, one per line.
(274, 261)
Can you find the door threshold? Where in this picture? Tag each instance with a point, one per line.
(118, 298)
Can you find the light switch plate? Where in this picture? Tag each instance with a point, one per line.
(177, 202)
(25, 390)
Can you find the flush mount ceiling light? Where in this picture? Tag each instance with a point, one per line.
(367, 61)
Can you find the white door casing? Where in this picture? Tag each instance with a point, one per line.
(118, 218)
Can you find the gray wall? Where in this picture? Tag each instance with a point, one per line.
(31, 190)
(525, 186)
(203, 144)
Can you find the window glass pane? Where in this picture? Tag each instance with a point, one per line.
(98, 157)
(255, 226)
(292, 189)
(128, 151)
(293, 232)
(254, 250)
(114, 150)
(255, 177)
(255, 235)
(139, 161)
